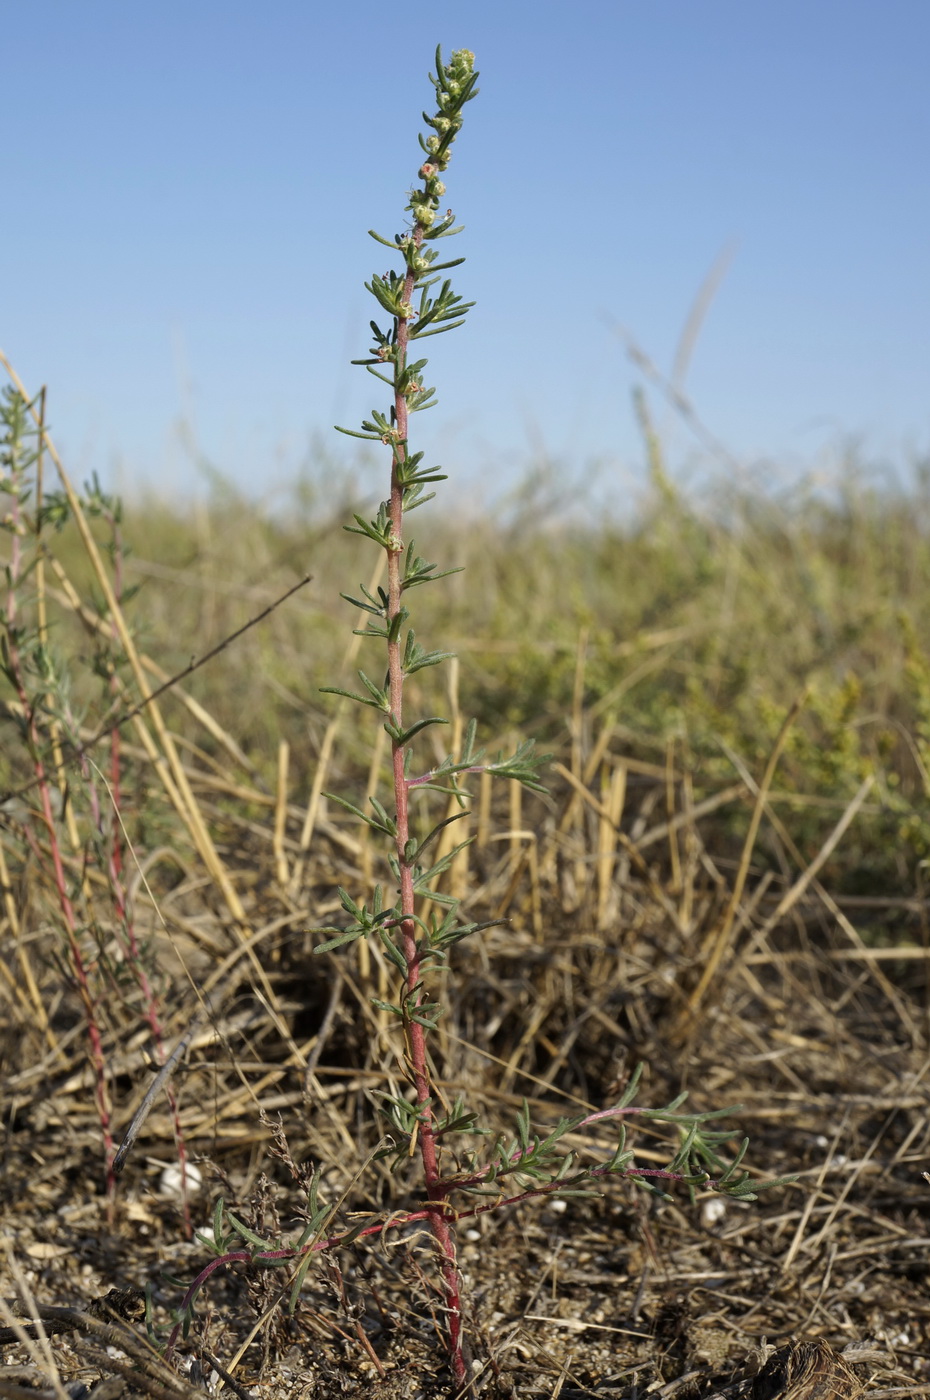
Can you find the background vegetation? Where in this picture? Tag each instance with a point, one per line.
(687, 632)
(725, 879)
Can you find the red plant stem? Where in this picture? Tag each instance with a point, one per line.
(397, 1221)
(33, 739)
(415, 1032)
(97, 1056)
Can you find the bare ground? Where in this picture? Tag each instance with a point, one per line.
(814, 1022)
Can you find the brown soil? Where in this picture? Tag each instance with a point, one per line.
(818, 1289)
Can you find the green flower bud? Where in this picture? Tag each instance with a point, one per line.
(461, 64)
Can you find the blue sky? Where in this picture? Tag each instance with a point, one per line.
(188, 187)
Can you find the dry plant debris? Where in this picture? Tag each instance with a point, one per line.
(824, 1051)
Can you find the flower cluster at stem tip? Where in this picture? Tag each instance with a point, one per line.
(453, 89)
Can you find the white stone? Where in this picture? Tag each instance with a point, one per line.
(713, 1211)
(171, 1182)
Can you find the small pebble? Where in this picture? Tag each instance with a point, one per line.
(713, 1211)
(171, 1181)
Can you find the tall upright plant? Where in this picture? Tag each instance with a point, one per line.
(419, 303)
(458, 1182)
(419, 306)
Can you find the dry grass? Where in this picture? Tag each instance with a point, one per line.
(723, 882)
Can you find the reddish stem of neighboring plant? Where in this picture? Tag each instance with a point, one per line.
(95, 1040)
